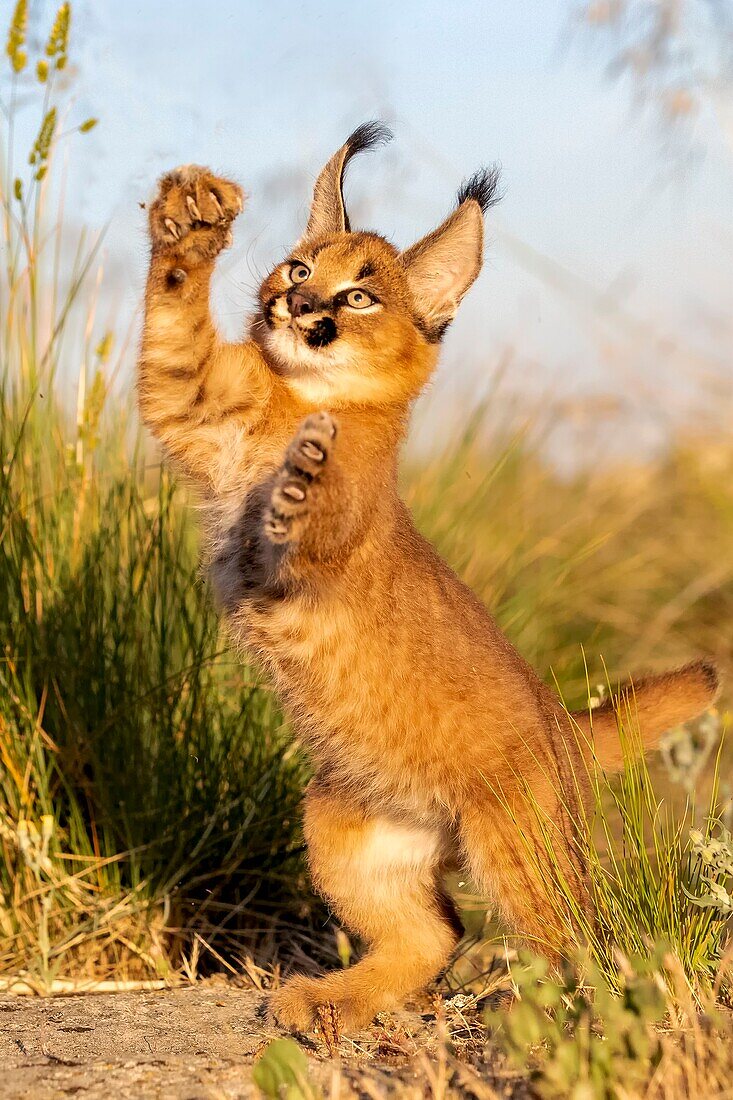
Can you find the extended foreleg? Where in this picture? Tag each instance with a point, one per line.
(191, 385)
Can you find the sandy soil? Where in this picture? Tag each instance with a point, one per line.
(188, 1043)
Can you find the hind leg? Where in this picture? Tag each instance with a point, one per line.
(381, 877)
(508, 857)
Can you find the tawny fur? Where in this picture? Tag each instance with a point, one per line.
(425, 724)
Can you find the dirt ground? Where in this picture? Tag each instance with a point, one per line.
(187, 1043)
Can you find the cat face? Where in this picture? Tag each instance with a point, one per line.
(337, 317)
(347, 316)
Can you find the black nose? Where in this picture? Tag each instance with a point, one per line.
(299, 303)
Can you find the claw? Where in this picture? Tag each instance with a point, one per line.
(193, 208)
(172, 228)
(293, 491)
(217, 204)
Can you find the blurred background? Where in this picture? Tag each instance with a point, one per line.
(607, 288)
(572, 459)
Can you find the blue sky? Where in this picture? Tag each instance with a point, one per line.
(266, 91)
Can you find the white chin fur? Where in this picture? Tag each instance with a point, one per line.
(321, 377)
(294, 356)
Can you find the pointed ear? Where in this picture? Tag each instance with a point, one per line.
(328, 213)
(442, 266)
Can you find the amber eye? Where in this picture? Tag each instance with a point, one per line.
(359, 299)
(299, 273)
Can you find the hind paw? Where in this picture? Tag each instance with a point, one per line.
(303, 1004)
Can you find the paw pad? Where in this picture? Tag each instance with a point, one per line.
(312, 444)
(305, 460)
(193, 212)
(312, 450)
(293, 490)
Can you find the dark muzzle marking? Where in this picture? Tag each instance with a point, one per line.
(321, 334)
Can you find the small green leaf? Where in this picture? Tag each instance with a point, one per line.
(88, 125)
(282, 1071)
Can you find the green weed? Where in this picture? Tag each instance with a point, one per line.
(581, 1039)
(148, 790)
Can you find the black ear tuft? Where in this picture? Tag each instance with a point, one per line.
(367, 136)
(363, 138)
(483, 187)
(328, 212)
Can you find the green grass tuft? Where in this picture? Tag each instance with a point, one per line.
(149, 791)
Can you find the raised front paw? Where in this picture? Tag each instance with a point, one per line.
(305, 460)
(192, 213)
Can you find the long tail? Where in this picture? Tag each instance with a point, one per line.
(650, 706)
